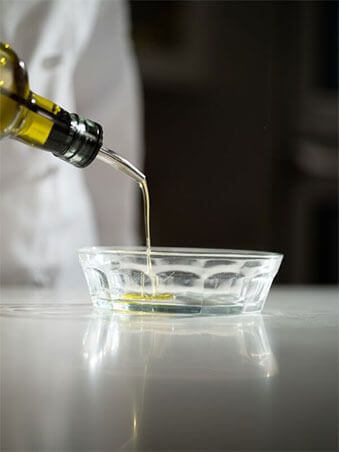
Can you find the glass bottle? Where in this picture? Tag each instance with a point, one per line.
(38, 122)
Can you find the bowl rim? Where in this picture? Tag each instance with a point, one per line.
(180, 252)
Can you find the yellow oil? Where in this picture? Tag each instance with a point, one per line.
(23, 114)
(143, 296)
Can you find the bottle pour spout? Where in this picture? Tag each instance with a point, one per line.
(121, 164)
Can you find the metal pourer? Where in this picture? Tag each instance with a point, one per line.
(121, 164)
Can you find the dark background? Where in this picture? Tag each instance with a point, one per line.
(241, 128)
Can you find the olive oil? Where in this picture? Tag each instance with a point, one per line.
(154, 278)
(38, 122)
(110, 157)
(147, 212)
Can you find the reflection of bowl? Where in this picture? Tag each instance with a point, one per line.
(184, 348)
(187, 281)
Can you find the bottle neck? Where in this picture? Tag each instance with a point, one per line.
(41, 123)
(71, 137)
(78, 143)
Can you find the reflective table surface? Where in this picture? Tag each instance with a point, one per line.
(76, 379)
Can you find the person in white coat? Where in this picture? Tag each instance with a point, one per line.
(78, 54)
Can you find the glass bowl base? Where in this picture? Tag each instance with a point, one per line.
(189, 306)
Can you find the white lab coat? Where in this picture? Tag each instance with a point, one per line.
(78, 55)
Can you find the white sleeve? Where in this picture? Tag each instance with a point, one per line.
(107, 90)
(44, 206)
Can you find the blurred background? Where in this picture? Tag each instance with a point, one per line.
(240, 102)
(234, 121)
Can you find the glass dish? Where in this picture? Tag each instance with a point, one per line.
(181, 281)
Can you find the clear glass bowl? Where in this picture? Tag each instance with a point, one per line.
(182, 280)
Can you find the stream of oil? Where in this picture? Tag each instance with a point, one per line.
(113, 159)
(153, 277)
(147, 211)
(118, 162)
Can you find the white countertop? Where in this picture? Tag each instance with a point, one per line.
(75, 379)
